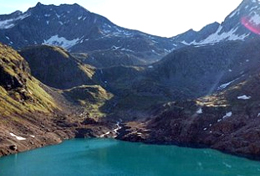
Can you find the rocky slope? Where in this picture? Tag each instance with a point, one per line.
(227, 120)
(33, 114)
(23, 104)
(197, 71)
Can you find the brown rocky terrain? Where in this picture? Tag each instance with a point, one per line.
(227, 121)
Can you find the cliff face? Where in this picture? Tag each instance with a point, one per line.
(26, 109)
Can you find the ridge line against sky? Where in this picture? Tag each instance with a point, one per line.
(164, 18)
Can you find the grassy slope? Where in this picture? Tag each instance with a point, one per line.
(25, 98)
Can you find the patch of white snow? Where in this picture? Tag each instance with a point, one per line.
(18, 137)
(229, 114)
(225, 85)
(7, 24)
(217, 37)
(255, 19)
(244, 97)
(199, 111)
(61, 41)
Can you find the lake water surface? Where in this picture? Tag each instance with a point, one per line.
(108, 157)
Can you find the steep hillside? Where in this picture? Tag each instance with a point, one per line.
(33, 114)
(25, 107)
(198, 71)
(55, 67)
(19, 89)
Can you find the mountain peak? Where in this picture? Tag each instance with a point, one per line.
(39, 4)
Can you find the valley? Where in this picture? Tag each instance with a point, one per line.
(196, 89)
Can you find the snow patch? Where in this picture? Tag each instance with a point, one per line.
(185, 43)
(18, 137)
(255, 19)
(218, 37)
(199, 111)
(244, 97)
(7, 24)
(115, 31)
(225, 85)
(58, 16)
(118, 127)
(115, 47)
(150, 66)
(234, 13)
(229, 114)
(125, 49)
(61, 41)
(103, 135)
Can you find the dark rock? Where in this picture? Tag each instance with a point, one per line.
(13, 147)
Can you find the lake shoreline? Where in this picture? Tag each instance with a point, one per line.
(103, 130)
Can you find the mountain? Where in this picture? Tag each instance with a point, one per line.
(198, 71)
(240, 25)
(49, 24)
(98, 41)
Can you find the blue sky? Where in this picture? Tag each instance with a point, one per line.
(159, 17)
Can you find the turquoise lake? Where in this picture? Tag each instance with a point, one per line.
(108, 157)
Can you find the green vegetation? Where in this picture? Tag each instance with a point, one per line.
(20, 93)
(91, 97)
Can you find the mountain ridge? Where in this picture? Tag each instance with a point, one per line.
(50, 24)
